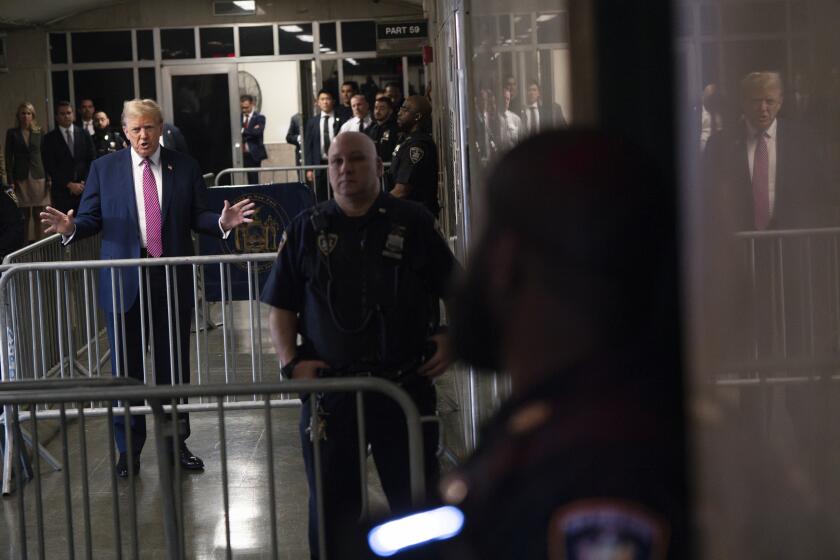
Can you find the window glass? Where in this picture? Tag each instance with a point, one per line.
(107, 88)
(101, 46)
(295, 38)
(503, 27)
(758, 17)
(358, 36)
(417, 80)
(145, 45)
(329, 77)
(177, 43)
(256, 41)
(148, 83)
(60, 86)
(58, 48)
(373, 74)
(329, 42)
(522, 30)
(553, 28)
(708, 20)
(216, 42)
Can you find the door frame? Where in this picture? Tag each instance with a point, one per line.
(167, 72)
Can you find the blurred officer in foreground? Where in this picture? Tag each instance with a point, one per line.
(11, 222)
(414, 167)
(568, 294)
(106, 140)
(360, 277)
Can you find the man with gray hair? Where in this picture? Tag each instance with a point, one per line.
(145, 201)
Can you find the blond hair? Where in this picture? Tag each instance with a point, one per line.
(141, 108)
(761, 81)
(34, 126)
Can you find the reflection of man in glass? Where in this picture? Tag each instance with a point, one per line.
(538, 115)
(512, 87)
(511, 126)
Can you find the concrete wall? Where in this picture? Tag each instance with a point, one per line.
(26, 80)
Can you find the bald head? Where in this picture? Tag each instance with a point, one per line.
(354, 170)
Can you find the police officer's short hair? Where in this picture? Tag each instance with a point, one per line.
(134, 108)
(385, 99)
(247, 97)
(352, 83)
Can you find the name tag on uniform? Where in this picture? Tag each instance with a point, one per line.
(395, 243)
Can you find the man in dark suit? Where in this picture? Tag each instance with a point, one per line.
(67, 153)
(293, 137)
(319, 134)
(145, 201)
(788, 190)
(537, 115)
(253, 127)
(173, 139)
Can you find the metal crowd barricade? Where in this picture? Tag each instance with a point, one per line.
(49, 314)
(788, 283)
(288, 173)
(39, 401)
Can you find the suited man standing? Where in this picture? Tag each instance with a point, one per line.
(145, 201)
(253, 127)
(318, 135)
(538, 115)
(86, 114)
(67, 153)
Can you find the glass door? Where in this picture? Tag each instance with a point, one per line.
(203, 102)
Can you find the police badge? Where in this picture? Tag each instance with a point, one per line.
(415, 154)
(326, 243)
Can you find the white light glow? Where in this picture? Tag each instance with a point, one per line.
(248, 5)
(428, 526)
(325, 49)
(352, 61)
(305, 38)
(292, 28)
(546, 17)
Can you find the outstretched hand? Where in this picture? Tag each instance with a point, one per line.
(57, 221)
(237, 214)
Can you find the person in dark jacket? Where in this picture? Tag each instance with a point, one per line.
(68, 152)
(25, 168)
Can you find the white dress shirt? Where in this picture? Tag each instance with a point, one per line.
(87, 126)
(72, 139)
(770, 139)
(353, 124)
(331, 120)
(511, 128)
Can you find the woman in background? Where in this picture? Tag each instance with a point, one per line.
(24, 167)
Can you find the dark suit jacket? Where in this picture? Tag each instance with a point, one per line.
(293, 135)
(109, 205)
(174, 139)
(312, 138)
(22, 158)
(64, 167)
(551, 116)
(253, 136)
(800, 200)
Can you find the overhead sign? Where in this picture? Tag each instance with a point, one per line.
(402, 30)
(402, 36)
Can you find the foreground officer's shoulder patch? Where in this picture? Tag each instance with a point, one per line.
(415, 154)
(605, 528)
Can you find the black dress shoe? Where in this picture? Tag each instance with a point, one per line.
(122, 465)
(189, 461)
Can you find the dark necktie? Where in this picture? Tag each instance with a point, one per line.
(361, 125)
(533, 119)
(326, 133)
(70, 142)
(761, 183)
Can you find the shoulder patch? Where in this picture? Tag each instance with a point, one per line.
(11, 194)
(605, 528)
(415, 154)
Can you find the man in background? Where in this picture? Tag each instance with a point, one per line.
(414, 168)
(253, 128)
(345, 95)
(538, 114)
(361, 120)
(106, 140)
(320, 132)
(67, 153)
(86, 112)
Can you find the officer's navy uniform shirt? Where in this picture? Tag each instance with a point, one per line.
(415, 163)
(406, 290)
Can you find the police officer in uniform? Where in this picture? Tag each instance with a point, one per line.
(384, 132)
(567, 292)
(105, 139)
(414, 167)
(11, 222)
(360, 278)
